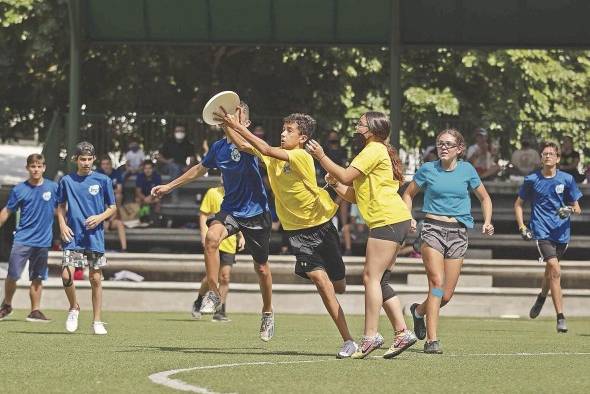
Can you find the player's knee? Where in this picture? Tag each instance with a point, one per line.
(224, 278)
(212, 241)
(261, 269)
(67, 277)
(435, 281)
(95, 279)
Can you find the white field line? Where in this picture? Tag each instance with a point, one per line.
(163, 378)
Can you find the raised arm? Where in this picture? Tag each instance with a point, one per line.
(191, 175)
(343, 175)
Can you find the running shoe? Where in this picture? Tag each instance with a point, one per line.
(267, 326)
(419, 326)
(561, 326)
(432, 347)
(402, 341)
(211, 303)
(5, 310)
(348, 349)
(72, 320)
(37, 316)
(368, 344)
(220, 317)
(196, 312)
(98, 328)
(536, 309)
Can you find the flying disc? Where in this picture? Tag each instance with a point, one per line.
(227, 99)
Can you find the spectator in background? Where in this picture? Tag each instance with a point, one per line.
(334, 150)
(134, 159)
(526, 159)
(178, 154)
(480, 156)
(146, 180)
(570, 159)
(259, 132)
(114, 222)
(429, 154)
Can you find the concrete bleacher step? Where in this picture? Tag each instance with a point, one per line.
(191, 268)
(300, 298)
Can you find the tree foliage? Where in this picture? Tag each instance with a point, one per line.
(510, 92)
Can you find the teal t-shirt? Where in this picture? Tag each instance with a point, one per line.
(446, 193)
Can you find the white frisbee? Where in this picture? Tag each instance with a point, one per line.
(227, 99)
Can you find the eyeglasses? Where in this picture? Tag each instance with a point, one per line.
(445, 144)
(547, 154)
(359, 124)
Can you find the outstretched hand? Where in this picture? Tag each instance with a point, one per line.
(315, 149)
(226, 119)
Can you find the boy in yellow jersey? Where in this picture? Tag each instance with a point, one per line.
(304, 209)
(210, 205)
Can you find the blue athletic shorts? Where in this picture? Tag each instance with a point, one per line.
(37, 258)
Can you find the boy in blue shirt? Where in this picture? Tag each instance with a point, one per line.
(244, 209)
(86, 200)
(115, 222)
(554, 197)
(36, 199)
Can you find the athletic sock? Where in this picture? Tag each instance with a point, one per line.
(223, 308)
(560, 316)
(200, 298)
(417, 314)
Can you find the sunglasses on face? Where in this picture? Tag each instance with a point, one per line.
(445, 145)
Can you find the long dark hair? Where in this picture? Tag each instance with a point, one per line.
(378, 124)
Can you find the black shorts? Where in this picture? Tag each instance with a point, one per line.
(396, 232)
(549, 249)
(317, 248)
(256, 231)
(227, 258)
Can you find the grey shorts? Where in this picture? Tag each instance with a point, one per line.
(227, 258)
(396, 232)
(37, 258)
(549, 249)
(449, 239)
(83, 258)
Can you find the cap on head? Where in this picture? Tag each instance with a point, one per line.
(481, 131)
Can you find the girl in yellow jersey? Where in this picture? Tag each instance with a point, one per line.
(304, 209)
(372, 181)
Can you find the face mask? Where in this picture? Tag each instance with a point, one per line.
(134, 147)
(359, 139)
(179, 135)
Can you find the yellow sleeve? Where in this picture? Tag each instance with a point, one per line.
(207, 203)
(367, 159)
(300, 161)
(265, 159)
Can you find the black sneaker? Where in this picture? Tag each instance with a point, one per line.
(536, 309)
(5, 310)
(196, 312)
(432, 347)
(37, 316)
(419, 326)
(220, 317)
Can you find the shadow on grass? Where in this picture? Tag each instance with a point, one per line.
(251, 351)
(45, 333)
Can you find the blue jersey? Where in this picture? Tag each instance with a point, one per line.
(37, 209)
(146, 184)
(446, 193)
(244, 191)
(547, 195)
(115, 175)
(86, 196)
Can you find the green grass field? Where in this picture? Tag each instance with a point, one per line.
(481, 355)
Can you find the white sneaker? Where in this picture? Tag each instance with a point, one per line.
(211, 304)
(267, 326)
(72, 320)
(98, 328)
(348, 348)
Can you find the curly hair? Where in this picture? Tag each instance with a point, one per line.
(305, 123)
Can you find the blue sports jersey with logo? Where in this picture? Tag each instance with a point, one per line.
(547, 195)
(446, 193)
(37, 210)
(86, 196)
(244, 191)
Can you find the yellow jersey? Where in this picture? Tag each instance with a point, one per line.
(376, 190)
(299, 201)
(210, 205)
